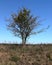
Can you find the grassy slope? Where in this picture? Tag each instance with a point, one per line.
(13, 54)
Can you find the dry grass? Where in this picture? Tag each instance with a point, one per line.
(13, 54)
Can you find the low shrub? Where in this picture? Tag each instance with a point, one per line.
(15, 58)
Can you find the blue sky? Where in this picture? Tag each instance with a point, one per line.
(41, 8)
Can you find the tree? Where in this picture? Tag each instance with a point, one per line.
(24, 24)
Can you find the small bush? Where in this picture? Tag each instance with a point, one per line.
(15, 58)
(35, 63)
(48, 56)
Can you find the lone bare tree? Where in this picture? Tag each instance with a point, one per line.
(24, 24)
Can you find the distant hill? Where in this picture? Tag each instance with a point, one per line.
(17, 54)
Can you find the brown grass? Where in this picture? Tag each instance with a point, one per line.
(14, 54)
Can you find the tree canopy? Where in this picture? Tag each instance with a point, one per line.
(24, 24)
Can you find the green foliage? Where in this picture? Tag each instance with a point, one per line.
(24, 24)
(14, 58)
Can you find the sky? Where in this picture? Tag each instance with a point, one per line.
(41, 8)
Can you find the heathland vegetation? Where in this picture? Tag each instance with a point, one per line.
(18, 54)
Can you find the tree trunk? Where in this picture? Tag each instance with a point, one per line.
(24, 41)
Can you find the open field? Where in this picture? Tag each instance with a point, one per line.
(16, 54)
